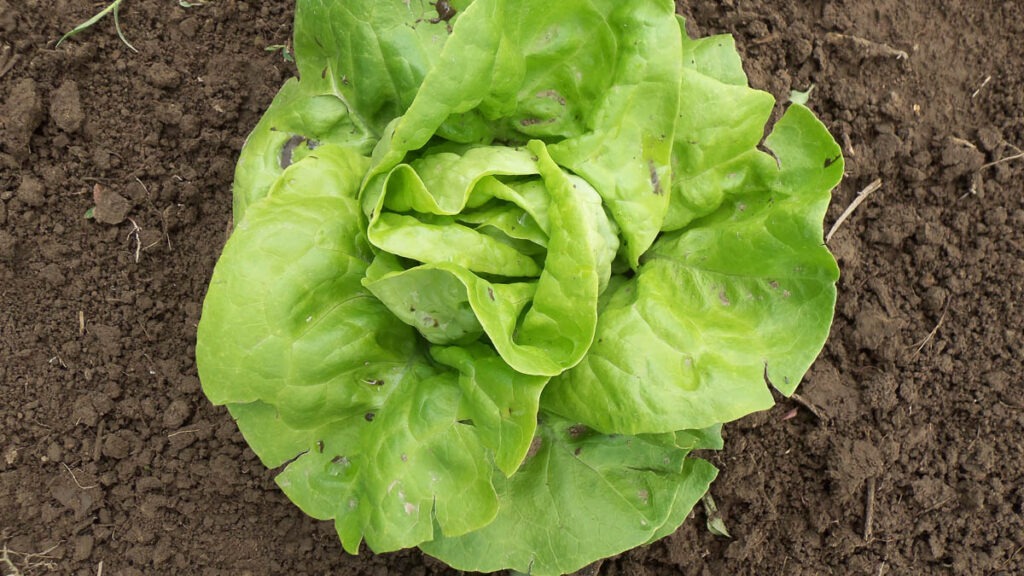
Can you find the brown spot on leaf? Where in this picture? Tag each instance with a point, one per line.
(535, 446)
(655, 178)
(724, 298)
(576, 431)
(552, 94)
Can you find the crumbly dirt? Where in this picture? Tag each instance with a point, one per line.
(111, 460)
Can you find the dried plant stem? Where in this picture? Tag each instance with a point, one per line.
(1002, 160)
(869, 509)
(861, 197)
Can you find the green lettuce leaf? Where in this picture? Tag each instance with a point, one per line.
(499, 267)
(715, 149)
(510, 67)
(581, 496)
(371, 55)
(741, 296)
(318, 370)
(299, 119)
(541, 326)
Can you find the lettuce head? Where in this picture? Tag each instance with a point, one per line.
(498, 267)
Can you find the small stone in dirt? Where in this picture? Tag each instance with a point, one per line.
(177, 413)
(872, 327)
(887, 147)
(83, 548)
(169, 114)
(853, 463)
(959, 158)
(136, 192)
(31, 192)
(66, 107)
(84, 413)
(11, 455)
(161, 75)
(3, 213)
(115, 447)
(990, 138)
(53, 274)
(930, 491)
(7, 246)
(22, 114)
(111, 207)
(8, 18)
(54, 452)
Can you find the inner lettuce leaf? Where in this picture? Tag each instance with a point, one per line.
(518, 65)
(540, 325)
(498, 268)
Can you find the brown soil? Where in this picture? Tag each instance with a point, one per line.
(112, 460)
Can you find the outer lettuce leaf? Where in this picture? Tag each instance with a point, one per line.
(285, 304)
(501, 402)
(372, 55)
(413, 464)
(347, 93)
(361, 64)
(299, 119)
(315, 367)
(740, 296)
(579, 497)
(714, 152)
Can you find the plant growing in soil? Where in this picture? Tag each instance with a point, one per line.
(112, 8)
(498, 268)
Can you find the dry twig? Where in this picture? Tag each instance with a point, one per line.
(811, 407)
(861, 197)
(869, 509)
(934, 331)
(97, 447)
(870, 47)
(983, 84)
(28, 560)
(7, 60)
(1002, 160)
(8, 565)
(73, 477)
(135, 231)
(935, 506)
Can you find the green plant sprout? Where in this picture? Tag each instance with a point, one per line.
(286, 52)
(114, 8)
